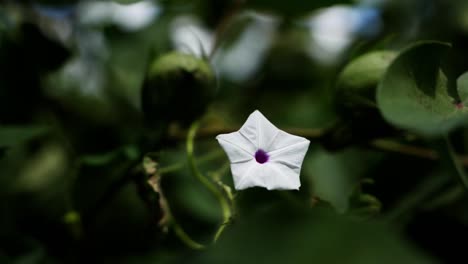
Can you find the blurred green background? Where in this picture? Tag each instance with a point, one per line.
(96, 98)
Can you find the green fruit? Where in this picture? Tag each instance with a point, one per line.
(356, 102)
(357, 83)
(177, 87)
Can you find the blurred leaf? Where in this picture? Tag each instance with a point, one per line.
(413, 93)
(78, 87)
(446, 198)
(424, 192)
(47, 54)
(335, 176)
(23, 250)
(185, 194)
(292, 8)
(44, 169)
(129, 152)
(310, 237)
(365, 206)
(124, 224)
(58, 2)
(191, 198)
(462, 87)
(13, 135)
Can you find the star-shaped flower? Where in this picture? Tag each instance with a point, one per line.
(264, 156)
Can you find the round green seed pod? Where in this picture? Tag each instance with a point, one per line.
(357, 83)
(356, 104)
(177, 87)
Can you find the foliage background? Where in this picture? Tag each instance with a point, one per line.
(74, 134)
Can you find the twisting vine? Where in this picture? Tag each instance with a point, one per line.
(211, 186)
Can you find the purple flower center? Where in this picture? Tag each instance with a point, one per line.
(261, 156)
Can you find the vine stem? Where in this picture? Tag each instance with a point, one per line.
(428, 188)
(180, 165)
(316, 134)
(186, 239)
(456, 163)
(225, 207)
(168, 219)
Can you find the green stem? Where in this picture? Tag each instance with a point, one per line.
(216, 175)
(171, 168)
(431, 186)
(220, 230)
(185, 238)
(225, 207)
(392, 146)
(316, 134)
(168, 219)
(180, 165)
(407, 206)
(456, 163)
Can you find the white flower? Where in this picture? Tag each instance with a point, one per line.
(264, 156)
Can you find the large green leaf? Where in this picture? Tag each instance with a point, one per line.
(413, 94)
(285, 236)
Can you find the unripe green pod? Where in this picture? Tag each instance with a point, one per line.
(177, 87)
(355, 101)
(357, 83)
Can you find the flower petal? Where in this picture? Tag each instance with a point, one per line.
(282, 177)
(238, 148)
(245, 175)
(284, 140)
(259, 130)
(291, 156)
(285, 151)
(270, 176)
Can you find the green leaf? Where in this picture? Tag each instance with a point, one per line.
(310, 237)
(413, 94)
(13, 135)
(335, 176)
